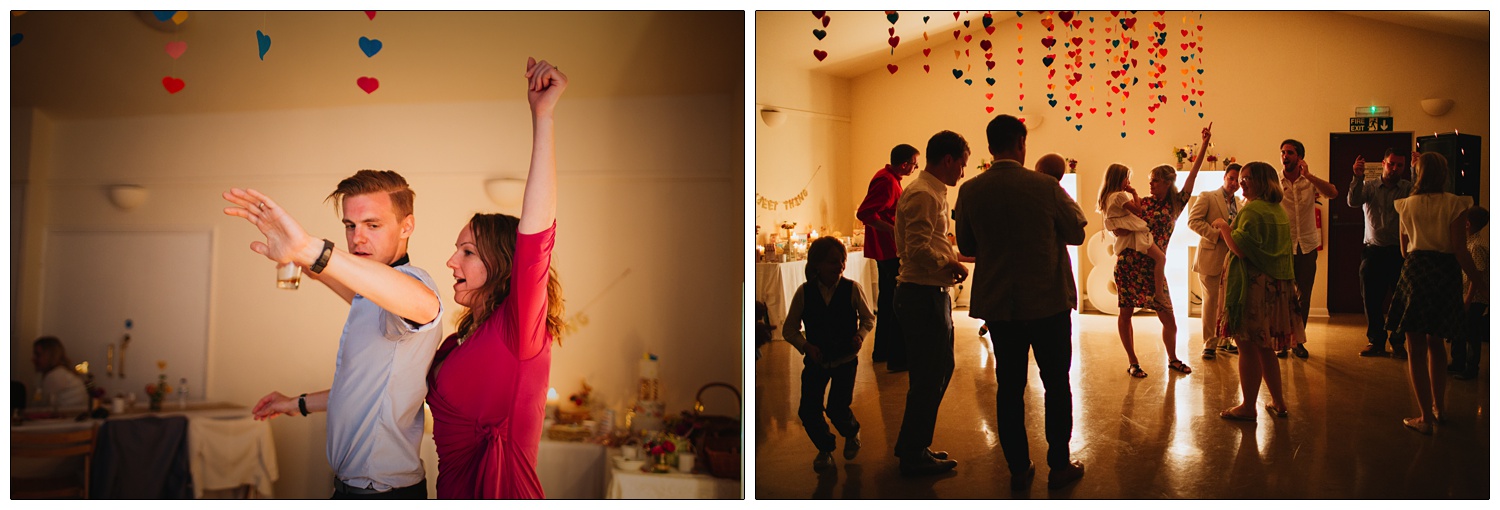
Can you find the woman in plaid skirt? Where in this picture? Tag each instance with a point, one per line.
(1428, 305)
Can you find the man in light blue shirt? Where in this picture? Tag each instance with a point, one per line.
(1380, 261)
(389, 338)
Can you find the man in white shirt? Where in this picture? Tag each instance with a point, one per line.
(1301, 190)
(375, 406)
(929, 265)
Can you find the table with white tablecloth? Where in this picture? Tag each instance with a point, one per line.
(567, 469)
(776, 283)
(624, 483)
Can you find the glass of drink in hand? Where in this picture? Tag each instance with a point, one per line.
(288, 276)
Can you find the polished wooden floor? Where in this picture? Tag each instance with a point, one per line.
(1151, 438)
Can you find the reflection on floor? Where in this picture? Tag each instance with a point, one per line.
(1157, 437)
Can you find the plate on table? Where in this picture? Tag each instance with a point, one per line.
(621, 463)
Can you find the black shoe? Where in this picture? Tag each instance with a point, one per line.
(1229, 348)
(1208, 354)
(1371, 351)
(924, 464)
(939, 455)
(1281, 353)
(1300, 351)
(823, 461)
(851, 446)
(1019, 482)
(895, 368)
(1058, 479)
(1398, 352)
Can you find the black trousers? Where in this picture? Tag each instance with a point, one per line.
(1305, 267)
(815, 380)
(1379, 267)
(418, 491)
(1476, 332)
(927, 321)
(889, 346)
(1050, 340)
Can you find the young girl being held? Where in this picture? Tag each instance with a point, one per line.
(1122, 210)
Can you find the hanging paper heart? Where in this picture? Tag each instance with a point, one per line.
(990, 81)
(1048, 41)
(925, 18)
(924, 36)
(926, 51)
(1078, 127)
(1048, 60)
(818, 14)
(1077, 41)
(1020, 61)
(1050, 72)
(1047, 22)
(966, 23)
(1020, 26)
(989, 56)
(990, 64)
(1091, 65)
(180, 17)
(820, 54)
(955, 14)
(989, 109)
(1052, 103)
(958, 73)
(175, 48)
(262, 43)
(1200, 115)
(893, 41)
(369, 46)
(926, 68)
(827, 19)
(968, 81)
(891, 67)
(985, 45)
(1021, 109)
(820, 34)
(370, 14)
(891, 31)
(892, 16)
(1184, 58)
(989, 30)
(163, 15)
(968, 38)
(16, 39)
(368, 84)
(1065, 16)
(989, 95)
(173, 85)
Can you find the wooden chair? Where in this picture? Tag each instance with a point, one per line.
(57, 445)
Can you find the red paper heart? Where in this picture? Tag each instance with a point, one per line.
(985, 45)
(1066, 16)
(1020, 97)
(891, 67)
(1092, 110)
(891, 30)
(1162, 52)
(1047, 22)
(1048, 42)
(955, 15)
(894, 41)
(1159, 25)
(926, 68)
(826, 19)
(818, 14)
(1077, 41)
(1115, 89)
(926, 51)
(1109, 114)
(1091, 30)
(989, 95)
(1051, 72)
(1200, 28)
(370, 14)
(989, 30)
(968, 38)
(989, 56)
(1184, 98)
(989, 109)
(820, 54)
(175, 48)
(1152, 131)
(1127, 94)
(956, 32)
(990, 64)
(1019, 50)
(1078, 114)
(172, 84)
(368, 84)
(1077, 23)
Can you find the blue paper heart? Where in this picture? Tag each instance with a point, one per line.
(1091, 65)
(1049, 95)
(15, 39)
(925, 18)
(1193, 102)
(1200, 71)
(990, 81)
(1127, 67)
(1078, 127)
(1122, 134)
(264, 42)
(1134, 80)
(957, 73)
(1047, 61)
(1052, 103)
(369, 46)
(1200, 115)
(968, 81)
(1020, 108)
(163, 15)
(1068, 118)
(1184, 58)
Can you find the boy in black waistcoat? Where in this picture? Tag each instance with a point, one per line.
(837, 319)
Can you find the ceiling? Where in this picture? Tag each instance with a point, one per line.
(782, 37)
(94, 64)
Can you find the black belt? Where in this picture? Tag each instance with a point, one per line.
(343, 488)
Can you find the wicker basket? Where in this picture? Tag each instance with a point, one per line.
(718, 437)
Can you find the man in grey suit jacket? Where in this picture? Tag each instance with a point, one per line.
(1017, 224)
(1212, 252)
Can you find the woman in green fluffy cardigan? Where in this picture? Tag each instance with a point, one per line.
(1260, 295)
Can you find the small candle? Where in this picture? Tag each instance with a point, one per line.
(551, 402)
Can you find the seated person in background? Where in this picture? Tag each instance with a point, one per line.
(59, 382)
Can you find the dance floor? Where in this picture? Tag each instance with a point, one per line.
(1151, 438)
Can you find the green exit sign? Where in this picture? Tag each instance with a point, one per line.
(1362, 124)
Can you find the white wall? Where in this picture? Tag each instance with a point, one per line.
(1269, 76)
(648, 185)
(788, 157)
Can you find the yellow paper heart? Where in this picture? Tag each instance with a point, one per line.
(180, 17)
(924, 36)
(956, 53)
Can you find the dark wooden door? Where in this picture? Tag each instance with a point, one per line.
(1346, 225)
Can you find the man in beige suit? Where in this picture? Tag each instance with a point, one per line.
(1212, 252)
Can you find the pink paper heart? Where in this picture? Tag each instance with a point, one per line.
(175, 48)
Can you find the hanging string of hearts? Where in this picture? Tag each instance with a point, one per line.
(262, 41)
(790, 203)
(823, 18)
(174, 49)
(369, 47)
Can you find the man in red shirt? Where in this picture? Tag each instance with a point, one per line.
(878, 212)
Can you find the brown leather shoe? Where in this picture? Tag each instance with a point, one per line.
(926, 465)
(1060, 478)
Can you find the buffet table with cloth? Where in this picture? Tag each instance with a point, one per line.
(775, 283)
(626, 483)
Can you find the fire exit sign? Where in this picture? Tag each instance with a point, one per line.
(1362, 124)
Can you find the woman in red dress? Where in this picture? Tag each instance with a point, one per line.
(488, 383)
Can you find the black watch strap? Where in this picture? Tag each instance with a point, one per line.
(322, 262)
(302, 404)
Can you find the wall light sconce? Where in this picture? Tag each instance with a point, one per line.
(127, 196)
(506, 193)
(772, 117)
(1436, 107)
